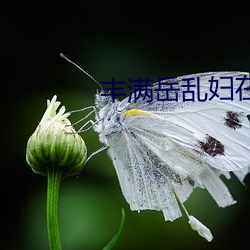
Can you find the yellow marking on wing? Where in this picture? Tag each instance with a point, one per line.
(137, 112)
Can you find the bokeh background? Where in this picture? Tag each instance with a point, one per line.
(119, 39)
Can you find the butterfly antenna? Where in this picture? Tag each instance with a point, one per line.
(68, 60)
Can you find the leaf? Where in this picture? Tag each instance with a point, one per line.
(117, 234)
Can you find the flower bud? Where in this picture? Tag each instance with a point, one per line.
(55, 144)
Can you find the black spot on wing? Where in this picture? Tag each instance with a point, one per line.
(212, 146)
(191, 181)
(233, 119)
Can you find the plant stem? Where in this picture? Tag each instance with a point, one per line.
(54, 177)
(117, 234)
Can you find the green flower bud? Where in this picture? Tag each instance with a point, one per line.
(55, 144)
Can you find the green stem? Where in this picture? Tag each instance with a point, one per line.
(54, 177)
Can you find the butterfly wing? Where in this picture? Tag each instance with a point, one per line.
(220, 125)
(141, 183)
(168, 148)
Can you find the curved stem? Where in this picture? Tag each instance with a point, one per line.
(117, 234)
(53, 185)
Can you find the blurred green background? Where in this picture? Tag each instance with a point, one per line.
(120, 39)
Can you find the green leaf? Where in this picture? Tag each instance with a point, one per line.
(117, 234)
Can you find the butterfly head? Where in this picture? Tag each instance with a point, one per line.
(102, 99)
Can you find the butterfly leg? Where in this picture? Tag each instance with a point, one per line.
(96, 152)
(86, 116)
(82, 128)
(91, 155)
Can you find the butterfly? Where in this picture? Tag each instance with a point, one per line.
(163, 150)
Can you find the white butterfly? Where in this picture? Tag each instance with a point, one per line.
(162, 150)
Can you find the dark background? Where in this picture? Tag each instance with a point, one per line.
(120, 39)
